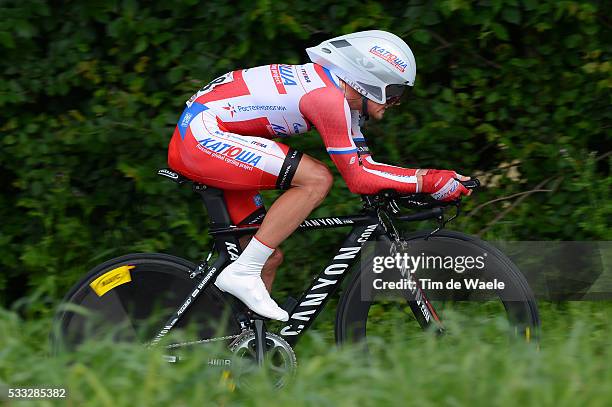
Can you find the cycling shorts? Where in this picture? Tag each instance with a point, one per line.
(203, 151)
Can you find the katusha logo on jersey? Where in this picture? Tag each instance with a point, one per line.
(388, 56)
(282, 75)
(234, 152)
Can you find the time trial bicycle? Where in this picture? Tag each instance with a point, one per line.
(143, 297)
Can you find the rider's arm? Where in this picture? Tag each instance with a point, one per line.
(442, 184)
(327, 109)
(366, 156)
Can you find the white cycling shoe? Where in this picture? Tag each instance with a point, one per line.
(250, 289)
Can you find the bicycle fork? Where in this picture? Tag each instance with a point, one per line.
(420, 305)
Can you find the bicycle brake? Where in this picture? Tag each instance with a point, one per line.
(443, 222)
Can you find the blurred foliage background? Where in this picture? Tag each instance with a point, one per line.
(515, 92)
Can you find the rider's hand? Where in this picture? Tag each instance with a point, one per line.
(444, 185)
(453, 174)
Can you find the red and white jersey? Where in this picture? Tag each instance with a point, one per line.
(277, 100)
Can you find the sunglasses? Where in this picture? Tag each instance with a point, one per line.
(394, 93)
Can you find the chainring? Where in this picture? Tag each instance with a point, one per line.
(279, 358)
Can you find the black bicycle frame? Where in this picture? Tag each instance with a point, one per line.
(366, 227)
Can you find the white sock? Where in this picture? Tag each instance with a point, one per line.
(253, 258)
(242, 279)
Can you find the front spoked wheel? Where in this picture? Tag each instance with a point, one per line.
(128, 299)
(365, 311)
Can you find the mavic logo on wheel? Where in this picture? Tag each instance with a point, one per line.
(232, 249)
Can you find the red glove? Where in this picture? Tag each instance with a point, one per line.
(443, 185)
(453, 174)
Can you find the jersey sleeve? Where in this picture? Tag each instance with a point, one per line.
(366, 156)
(327, 109)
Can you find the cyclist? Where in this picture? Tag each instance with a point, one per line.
(224, 139)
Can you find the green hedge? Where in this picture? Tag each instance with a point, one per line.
(515, 92)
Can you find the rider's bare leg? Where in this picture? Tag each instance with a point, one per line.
(268, 273)
(310, 185)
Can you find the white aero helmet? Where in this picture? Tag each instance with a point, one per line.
(375, 63)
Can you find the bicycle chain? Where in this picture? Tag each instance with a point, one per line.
(182, 344)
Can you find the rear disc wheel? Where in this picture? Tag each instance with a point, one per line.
(130, 298)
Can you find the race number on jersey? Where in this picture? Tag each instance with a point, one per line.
(228, 77)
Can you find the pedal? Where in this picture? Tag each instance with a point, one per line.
(289, 305)
(255, 316)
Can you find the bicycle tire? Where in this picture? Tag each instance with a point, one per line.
(352, 312)
(135, 310)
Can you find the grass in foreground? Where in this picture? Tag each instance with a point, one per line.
(572, 366)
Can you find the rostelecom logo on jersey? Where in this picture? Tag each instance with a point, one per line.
(230, 108)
